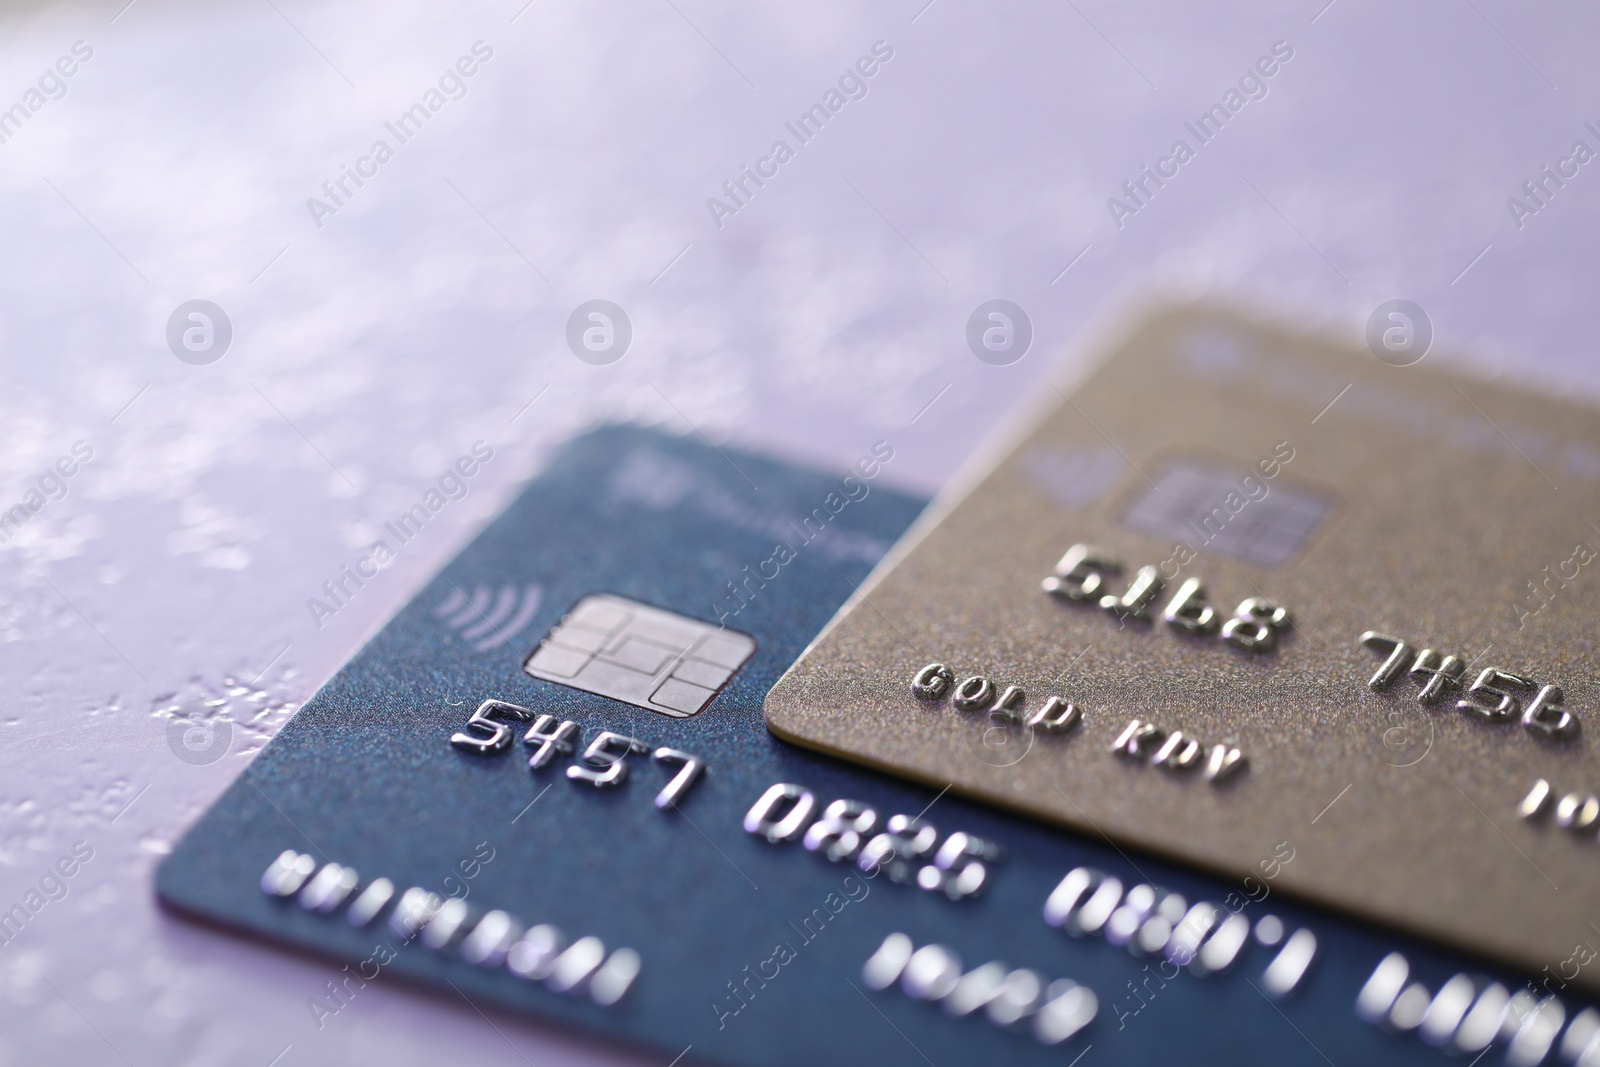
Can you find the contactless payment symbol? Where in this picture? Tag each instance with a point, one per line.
(640, 655)
(487, 618)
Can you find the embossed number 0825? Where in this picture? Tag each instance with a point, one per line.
(905, 849)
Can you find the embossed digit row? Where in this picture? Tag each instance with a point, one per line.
(449, 924)
(1495, 696)
(906, 848)
(1083, 572)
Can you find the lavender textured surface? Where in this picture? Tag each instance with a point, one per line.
(377, 337)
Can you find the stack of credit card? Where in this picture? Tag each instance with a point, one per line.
(1235, 707)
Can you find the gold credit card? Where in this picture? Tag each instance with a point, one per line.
(1246, 586)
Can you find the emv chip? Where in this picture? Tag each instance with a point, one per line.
(640, 655)
(1228, 510)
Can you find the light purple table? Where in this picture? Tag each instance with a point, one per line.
(380, 332)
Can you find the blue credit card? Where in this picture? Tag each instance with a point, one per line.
(547, 787)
